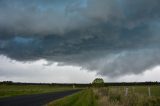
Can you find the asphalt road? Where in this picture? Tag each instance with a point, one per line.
(34, 100)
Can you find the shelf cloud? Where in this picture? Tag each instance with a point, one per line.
(112, 37)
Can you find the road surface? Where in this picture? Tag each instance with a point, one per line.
(34, 100)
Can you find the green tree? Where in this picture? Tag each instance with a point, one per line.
(98, 82)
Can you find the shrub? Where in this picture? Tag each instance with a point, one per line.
(98, 82)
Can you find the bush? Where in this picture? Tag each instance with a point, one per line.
(98, 82)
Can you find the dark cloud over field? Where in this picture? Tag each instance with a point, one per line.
(113, 37)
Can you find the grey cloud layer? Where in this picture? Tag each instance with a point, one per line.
(55, 17)
(112, 37)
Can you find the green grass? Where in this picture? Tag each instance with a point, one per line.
(155, 90)
(83, 98)
(143, 90)
(112, 96)
(137, 96)
(107, 96)
(14, 90)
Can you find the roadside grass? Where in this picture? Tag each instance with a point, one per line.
(143, 90)
(112, 96)
(15, 90)
(102, 96)
(83, 98)
(155, 90)
(136, 96)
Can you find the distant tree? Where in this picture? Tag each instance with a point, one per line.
(98, 82)
(7, 82)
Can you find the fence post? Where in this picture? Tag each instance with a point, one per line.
(133, 89)
(73, 86)
(126, 92)
(149, 91)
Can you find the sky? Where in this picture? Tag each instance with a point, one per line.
(76, 41)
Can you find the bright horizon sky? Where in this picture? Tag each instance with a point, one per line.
(40, 72)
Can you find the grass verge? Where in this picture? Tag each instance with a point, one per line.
(116, 97)
(83, 98)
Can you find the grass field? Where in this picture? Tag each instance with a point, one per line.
(102, 96)
(14, 90)
(83, 98)
(143, 90)
(135, 96)
(113, 96)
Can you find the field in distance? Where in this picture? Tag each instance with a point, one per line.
(113, 96)
(15, 90)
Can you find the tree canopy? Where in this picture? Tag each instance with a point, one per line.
(98, 82)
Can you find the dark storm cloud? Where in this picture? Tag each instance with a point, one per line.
(112, 37)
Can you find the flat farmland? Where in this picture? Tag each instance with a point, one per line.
(88, 96)
(16, 90)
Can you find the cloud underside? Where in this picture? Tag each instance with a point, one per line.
(114, 38)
